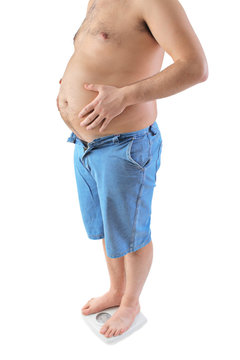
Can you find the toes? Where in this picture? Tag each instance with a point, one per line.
(87, 304)
(109, 333)
(112, 333)
(86, 311)
(85, 307)
(117, 332)
(104, 329)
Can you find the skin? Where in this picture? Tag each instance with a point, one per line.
(122, 67)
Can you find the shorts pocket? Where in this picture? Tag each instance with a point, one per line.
(138, 151)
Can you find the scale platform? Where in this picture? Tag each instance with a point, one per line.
(96, 321)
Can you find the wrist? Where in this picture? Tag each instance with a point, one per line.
(128, 95)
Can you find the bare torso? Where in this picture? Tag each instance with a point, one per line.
(114, 47)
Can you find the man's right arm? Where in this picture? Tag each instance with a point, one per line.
(171, 28)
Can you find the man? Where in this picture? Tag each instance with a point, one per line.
(108, 99)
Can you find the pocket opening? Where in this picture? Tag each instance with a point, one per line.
(136, 162)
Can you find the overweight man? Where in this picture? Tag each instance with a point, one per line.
(107, 98)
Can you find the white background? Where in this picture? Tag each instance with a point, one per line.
(48, 266)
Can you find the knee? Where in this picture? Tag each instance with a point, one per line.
(143, 250)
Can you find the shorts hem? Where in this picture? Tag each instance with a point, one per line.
(96, 237)
(130, 251)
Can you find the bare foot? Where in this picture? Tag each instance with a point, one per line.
(100, 303)
(121, 320)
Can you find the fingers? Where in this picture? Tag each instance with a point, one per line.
(88, 108)
(95, 123)
(89, 119)
(104, 125)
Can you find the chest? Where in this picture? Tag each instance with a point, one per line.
(112, 21)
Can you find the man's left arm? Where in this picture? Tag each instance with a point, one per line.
(171, 28)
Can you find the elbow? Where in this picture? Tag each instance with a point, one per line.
(203, 71)
(196, 69)
(200, 70)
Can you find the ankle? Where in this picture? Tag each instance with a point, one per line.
(129, 301)
(116, 292)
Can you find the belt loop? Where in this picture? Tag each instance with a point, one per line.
(152, 130)
(115, 138)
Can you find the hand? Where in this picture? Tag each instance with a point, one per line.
(109, 103)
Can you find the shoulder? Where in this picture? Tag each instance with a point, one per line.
(159, 7)
(90, 4)
(170, 26)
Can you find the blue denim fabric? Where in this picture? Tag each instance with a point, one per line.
(116, 176)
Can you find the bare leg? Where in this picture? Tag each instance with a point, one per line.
(137, 267)
(117, 286)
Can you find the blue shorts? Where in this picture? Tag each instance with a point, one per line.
(115, 176)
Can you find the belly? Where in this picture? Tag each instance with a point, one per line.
(100, 68)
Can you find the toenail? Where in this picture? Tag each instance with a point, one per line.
(103, 330)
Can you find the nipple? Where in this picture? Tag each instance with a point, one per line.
(104, 34)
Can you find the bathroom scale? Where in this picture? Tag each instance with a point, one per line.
(95, 322)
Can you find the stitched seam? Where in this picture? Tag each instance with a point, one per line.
(83, 162)
(93, 236)
(160, 147)
(132, 241)
(129, 251)
(150, 148)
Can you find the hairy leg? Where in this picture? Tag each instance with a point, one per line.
(117, 286)
(137, 267)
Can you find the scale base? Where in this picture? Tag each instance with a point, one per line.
(95, 322)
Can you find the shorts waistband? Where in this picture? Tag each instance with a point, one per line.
(114, 137)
